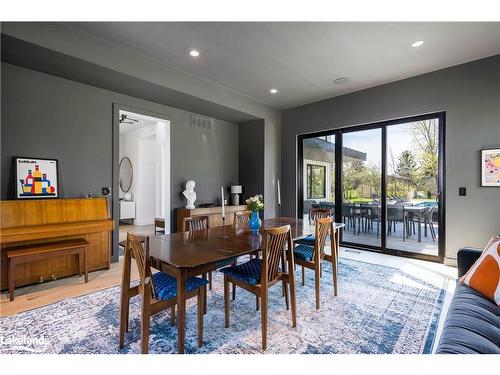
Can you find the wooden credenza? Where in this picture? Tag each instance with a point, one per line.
(214, 214)
(45, 220)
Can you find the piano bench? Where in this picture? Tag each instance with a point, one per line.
(34, 252)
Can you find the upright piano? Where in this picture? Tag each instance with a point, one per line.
(45, 220)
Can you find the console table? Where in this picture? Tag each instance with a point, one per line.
(213, 213)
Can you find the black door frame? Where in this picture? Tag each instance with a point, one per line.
(441, 116)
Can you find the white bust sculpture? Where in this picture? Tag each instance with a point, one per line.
(190, 194)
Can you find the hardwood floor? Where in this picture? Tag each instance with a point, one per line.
(38, 295)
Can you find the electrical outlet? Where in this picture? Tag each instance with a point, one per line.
(462, 192)
(106, 191)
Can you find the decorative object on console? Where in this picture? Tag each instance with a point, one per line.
(255, 204)
(236, 190)
(206, 205)
(490, 167)
(36, 178)
(279, 194)
(223, 203)
(190, 194)
(484, 275)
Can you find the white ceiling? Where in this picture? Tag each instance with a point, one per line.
(142, 121)
(302, 59)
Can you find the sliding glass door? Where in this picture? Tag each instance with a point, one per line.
(361, 186)
(385, 181)
(318, 164)
(413, 187)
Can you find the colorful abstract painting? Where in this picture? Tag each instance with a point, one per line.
(490, 167)
(36, 178)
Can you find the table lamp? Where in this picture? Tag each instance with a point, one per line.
(236, 190)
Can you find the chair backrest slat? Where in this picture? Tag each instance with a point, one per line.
(273, 251)
(195, 223)
(242, 217)
(318, 213)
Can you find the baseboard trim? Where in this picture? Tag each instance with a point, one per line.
(141, 223)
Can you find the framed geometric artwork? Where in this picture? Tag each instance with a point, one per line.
(36, 178)
(490, 167)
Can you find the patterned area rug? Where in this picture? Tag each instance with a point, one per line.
(379, 309)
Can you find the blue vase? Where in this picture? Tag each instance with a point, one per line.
(254, 223)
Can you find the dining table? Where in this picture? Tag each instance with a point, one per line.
(187, 254)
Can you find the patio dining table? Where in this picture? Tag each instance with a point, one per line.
(417, 210)
(184, 254)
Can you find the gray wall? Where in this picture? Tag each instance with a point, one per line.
(470, 95)
(251, 157)
(91, 50)
(47, 116)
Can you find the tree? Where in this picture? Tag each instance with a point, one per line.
(406, 169)
(374, 177)
(425, 138)
(352, 177)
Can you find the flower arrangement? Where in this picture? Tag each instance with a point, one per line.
(255, 203)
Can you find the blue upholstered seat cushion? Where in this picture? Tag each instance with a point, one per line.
(308, 240)
(166, 285)
(304, 252)
(249, 272)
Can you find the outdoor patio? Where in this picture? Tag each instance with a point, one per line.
(394, 239)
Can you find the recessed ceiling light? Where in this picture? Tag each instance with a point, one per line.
(194, 53)
(418, 43)
(273, 91)
(342, 81)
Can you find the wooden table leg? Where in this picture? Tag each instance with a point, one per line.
(124, 298)
(291, 275)
(181, 309)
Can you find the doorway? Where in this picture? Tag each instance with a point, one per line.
(384, 181)
(141, 186)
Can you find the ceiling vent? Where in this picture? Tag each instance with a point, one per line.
(202, 122)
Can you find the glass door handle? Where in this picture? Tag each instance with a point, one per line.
(438, 195)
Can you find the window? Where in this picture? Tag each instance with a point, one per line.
(316, 181)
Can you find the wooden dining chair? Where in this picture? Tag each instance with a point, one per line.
(158, 291)
(195, 223)
(242, 217)
(312, 256)
(258, 275)
(318, 213)
(314, 214)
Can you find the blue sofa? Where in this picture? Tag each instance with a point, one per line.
(472, 325)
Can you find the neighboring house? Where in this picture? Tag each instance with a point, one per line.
(319, 177)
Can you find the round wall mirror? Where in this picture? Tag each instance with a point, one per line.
(126, 174)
